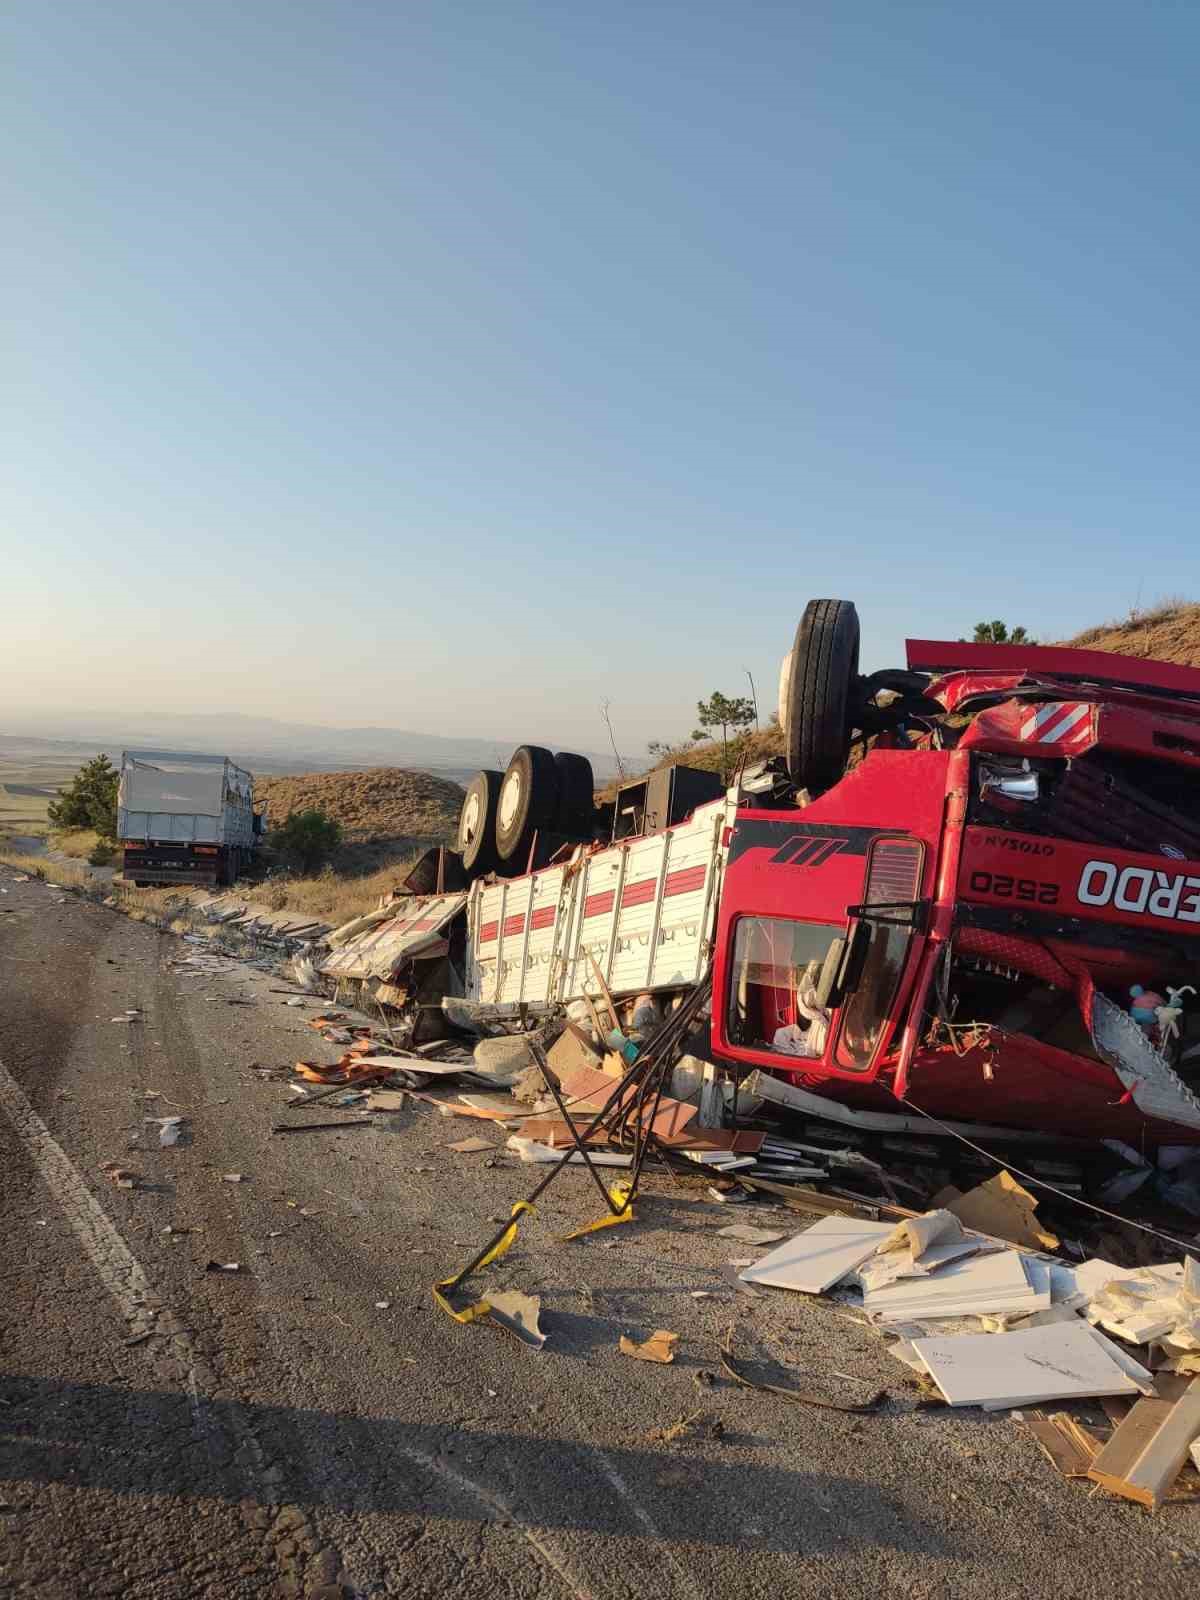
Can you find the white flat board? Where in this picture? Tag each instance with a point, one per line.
(820, 1256)
(996, 1283)
(1059, 1362)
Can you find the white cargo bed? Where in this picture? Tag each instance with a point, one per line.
(185, 799)
(643, 908)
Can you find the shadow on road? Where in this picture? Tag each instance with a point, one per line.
(145, 1442)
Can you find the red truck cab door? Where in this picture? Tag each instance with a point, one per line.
(792, 882)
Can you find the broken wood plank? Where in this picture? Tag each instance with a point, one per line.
(1063, 1452)
(1146, 1452)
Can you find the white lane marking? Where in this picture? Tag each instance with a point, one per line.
(122, 1275)
(478, 1492)
(609, 1469)
(119, 1272)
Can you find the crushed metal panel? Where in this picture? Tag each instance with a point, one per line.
(1156, 1087)
(419, 929)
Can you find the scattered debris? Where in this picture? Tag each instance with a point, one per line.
(317, 1127)
(660, 1346)
(170, 1129)
(223, 1266)
(747, 1235)
(696, 1425)
(467, 1147)
(519, 1314)
(233, 1177)
(123, 1177)
(383, 1305)
(733, 1369)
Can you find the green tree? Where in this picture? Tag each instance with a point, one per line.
(307, 839)
(997, 632)
(724, 712)
(89, 800)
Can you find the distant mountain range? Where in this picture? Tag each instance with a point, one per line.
(263, 744)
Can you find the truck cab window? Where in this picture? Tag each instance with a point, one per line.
(772, 979)
(867, 1010)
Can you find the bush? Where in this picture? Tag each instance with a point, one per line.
(101, 855)
(89, 800)
(307, 839)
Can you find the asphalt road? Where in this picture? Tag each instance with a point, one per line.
(314, 1425)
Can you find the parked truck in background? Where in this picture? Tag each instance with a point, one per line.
(185, 818)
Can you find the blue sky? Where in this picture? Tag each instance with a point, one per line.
(461, 366)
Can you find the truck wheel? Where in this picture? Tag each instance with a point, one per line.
(528, 800)
(477, 823)
(819, 687)
(576, 793)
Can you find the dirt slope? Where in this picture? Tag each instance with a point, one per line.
(381, 803)
(1169, 633)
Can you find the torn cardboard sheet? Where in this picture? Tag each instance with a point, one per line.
(467, 1147)
(660, 1346)
(518, 1313)
(1002, 1208)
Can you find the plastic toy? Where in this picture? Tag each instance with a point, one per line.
(1144, 1009)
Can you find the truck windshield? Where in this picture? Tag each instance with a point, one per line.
(868, 1008)
(775, 960)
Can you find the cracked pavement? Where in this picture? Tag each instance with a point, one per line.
(166, 1431)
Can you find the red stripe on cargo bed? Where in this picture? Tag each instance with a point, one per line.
(514, 924)
(488, 932)
(637, 894)
(685, 880)
(596, 904)
(544, 918)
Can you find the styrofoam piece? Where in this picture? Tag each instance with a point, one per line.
(999, 1370)
(819, 1257)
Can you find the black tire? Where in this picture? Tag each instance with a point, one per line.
(477, 823)
(820, 693)
(576, 793)
(528, 801)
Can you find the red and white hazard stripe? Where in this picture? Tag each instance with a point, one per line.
(1056, 723)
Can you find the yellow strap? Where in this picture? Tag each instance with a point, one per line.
(620, 1196)
(480, 1308)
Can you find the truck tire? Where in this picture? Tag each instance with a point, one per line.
(477, 823)
(820, 693)
(576, 793)
(528, 801)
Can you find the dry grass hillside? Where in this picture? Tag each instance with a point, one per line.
(381, 805)
(1171, 632)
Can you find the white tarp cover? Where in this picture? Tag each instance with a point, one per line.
(172, 793)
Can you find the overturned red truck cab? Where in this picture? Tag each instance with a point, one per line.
(993, 913)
